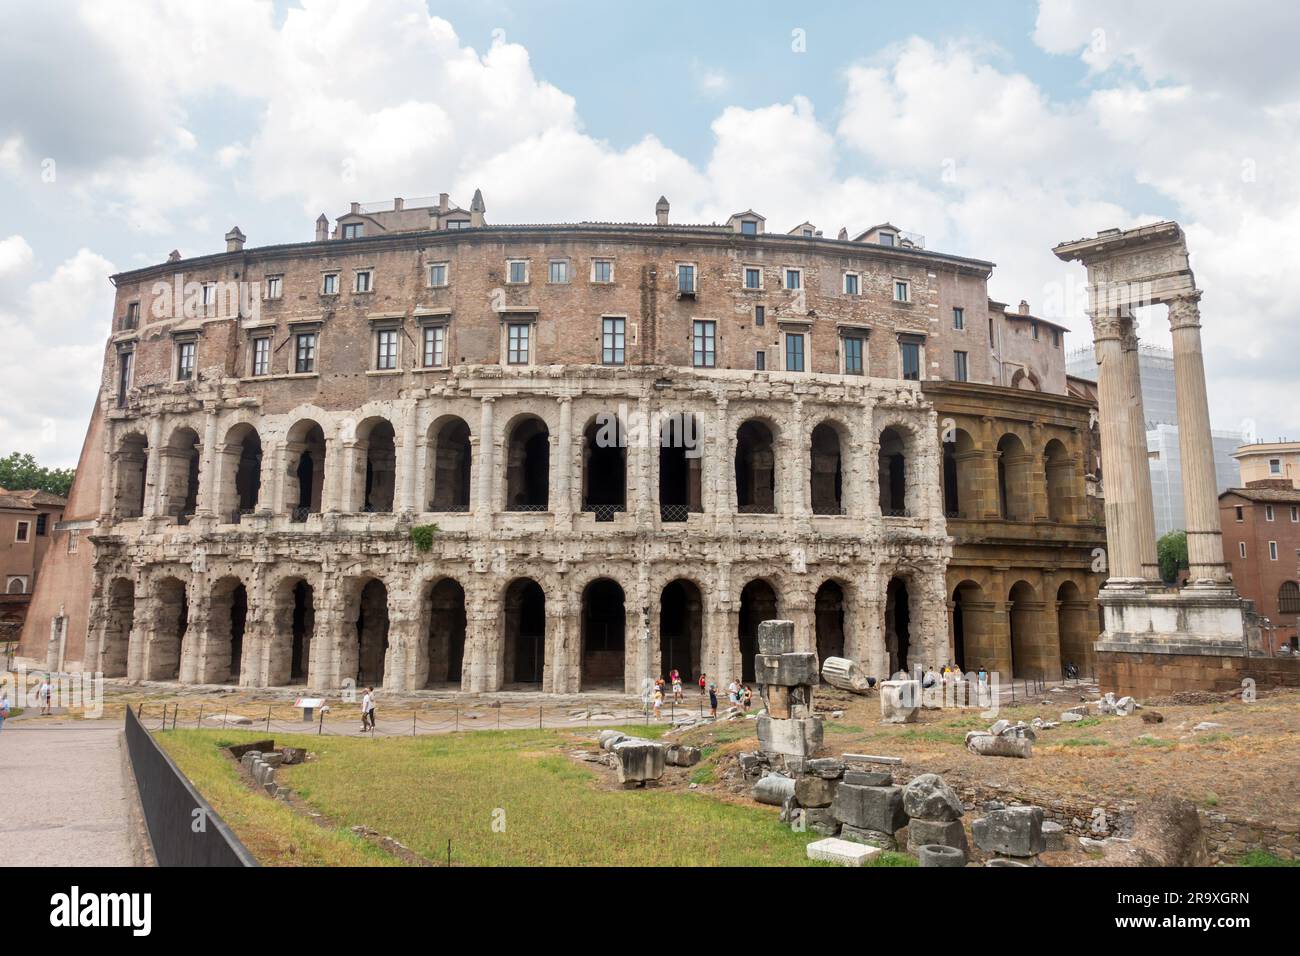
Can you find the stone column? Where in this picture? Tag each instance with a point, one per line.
(1138, 460)
(153, 469)
(335, 479)
(410, 462)
(1195, 446)
(1122, 556)
(207, 503)
(486, 464)
(563, 505)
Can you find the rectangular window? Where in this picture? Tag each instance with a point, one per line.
(559, 273)
(760, 361)
(185, 361)
(438, 275)
(330, 284)
(959, 371)
(23, 531)
(602, 270)
(209, 293)
(753, 277)
(704, 344)
(852, 355)
(132, 315)
(1268, 512)
(1240, 512)
(991, 342)
(851, 283)
(386, 349)
(1272, 550)
(958, 318)
(902, 290)
(685, 278)
(364, 281)
(794, 352)
(305, 353)
(42, 522)
(435, 346)
(1295, 512)
(911, 360)
(1241, 548)
(262, 355)
(517, 271)
(748, 227)
(1056, 338)
(1033, 327)
(352, 230)
(793, 278)
(274, 286)
(612, 340)
(125, 365)
(760, 315)
(73, 536)
(886, 238)
(517, 343)
(1275, 466)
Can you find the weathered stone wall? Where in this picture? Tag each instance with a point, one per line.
(1146, 675)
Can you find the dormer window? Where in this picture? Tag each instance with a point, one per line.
(457, 224)
(887, 239)
(748, 227)
(353, 230)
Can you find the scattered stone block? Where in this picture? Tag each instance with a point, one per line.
(1153, 717)
(876, 838)
(1003, 861)
(776, 637)
(786, 670)
(681, 755)
(639, 761)
(1053, 836)
(928, 797)
(1015, 831)
(610, 738)
(843, 852)
(845, 674)
(800, 738)
(870, 808)
(1070, 716)
(940, 856)
(869, 778)
(293, 755)
(773, 790)
(828, 767)
(1125, 706)
(274, 759)
(900, 701)
(814, 791)
(261, 746)
(936, 832)
(989, 745)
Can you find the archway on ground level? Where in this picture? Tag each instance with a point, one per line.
(1025, 616)
(604, 624)
(227, 622)
(1060, 472)
(372, 633)
(449, 465)
(758, 603)
(528, 466)
(960, 476)
(898, 626)
(171, 620)
(119, 615)
(604, 467)
(305, 453)
(827, 474)
(294, 624)
(755, 468)
(524, 627)
(129, 484)
(681, 629)
(680, 459)
(892, 466)
(180, 479)
(378, 443)
(828, 615)
(445, 641)
(970, 649)
(1013, 480)
(1074, 626)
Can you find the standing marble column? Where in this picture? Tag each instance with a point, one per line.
(1195, 445)
(1123, 559)
(1138, 459)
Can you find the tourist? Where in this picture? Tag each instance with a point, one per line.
(44, 695)
(713, 700)
(4, 708)
(931, 678)
(733, 691)
(749, 698)
(677, 685)
(368, 710)
(704, 686)
(658, 702)
(983, 677)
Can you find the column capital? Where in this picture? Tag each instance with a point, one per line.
(1185, 310)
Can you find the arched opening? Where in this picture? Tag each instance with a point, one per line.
(180, 458)
(132, 464)
(828, 619)
(1031, 655)
(755, 469)
(372, 633)
(119, 619)
(968, 651)
(302, 626)
(446, 635)
(898, 626)
(1013, 479)
(757, 604)
(294, 625)
(892, 465)
(241, 472)
(1288, 598)
(524, 623)
(827, 476)
(171, 620)
(604, 467)
(1059, 470)
(1074, 627)
(377, 442)
(227, 620)
(450, 457)
(305, 453)
(604, 622)
(528, 466)
(680, 459)
(681, 628)
(960, 476)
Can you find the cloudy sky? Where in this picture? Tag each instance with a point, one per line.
(132, 127)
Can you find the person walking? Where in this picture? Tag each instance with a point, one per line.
(677, 685)
(713, 700)
(748, 698)
(704, 684)
(44, 693)
(368, 710)
(658, 702)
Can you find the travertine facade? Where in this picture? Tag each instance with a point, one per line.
(558, 456)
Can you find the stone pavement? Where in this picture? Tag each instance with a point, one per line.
(64, 799)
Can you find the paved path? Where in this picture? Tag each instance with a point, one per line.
(63, 799)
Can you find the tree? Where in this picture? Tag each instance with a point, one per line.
(20, 472)
(1171, 552)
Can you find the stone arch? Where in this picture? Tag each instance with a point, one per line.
(305, 473)
(295, 627)
(180, 459)
(604, 634)
(240, 464)
(971, 630)
(119, 621)
(830, 619)
(1074, 627)
(366, 630)
(376, 466)
(171, 619)
(604, 466)
(1288, 598)
(449, 465)
(902, 645)
(1061, 480)
(681, 463)
(445, 626)
(826, 468)
(528, 464)
(897, 463)
(961, 468)
(759, 602)
(131, 468)
(1033, 652)
(225, 655)
(681, 629)
(756, 484)
(1015, 502)
(1026, 380)
(523, 632)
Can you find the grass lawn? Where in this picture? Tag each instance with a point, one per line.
(501, 797)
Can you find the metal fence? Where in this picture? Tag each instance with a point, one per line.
(183, 827)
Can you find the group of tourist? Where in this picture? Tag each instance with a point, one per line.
(739, 694)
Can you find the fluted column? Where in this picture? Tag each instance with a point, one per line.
(1122, 555)
(1138, 460)
(1195, 445)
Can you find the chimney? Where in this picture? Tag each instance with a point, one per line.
(356, 208)
(174, 256)
(661, 212)
(322, 228)
(234, 240)
(1024, 307)
(476, 209)
(398, 203)
(444, 202)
